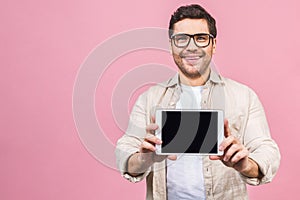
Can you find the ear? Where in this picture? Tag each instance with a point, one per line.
(214, 45)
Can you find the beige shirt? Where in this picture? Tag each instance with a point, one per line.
(247, 122)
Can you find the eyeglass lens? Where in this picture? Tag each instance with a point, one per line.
(182, 40)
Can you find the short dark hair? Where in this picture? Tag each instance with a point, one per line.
(193, 11)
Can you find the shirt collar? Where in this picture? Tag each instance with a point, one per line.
(214, 77)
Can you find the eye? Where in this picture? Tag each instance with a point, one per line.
(181, 38)
(201, 38)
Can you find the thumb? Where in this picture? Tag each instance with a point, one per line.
(227, 132)
(211, 157)
(152, 119)
(172, 157)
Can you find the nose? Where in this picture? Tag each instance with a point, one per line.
(192, 45)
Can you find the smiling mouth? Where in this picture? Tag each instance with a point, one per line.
(191, 59)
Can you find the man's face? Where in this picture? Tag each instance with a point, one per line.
(192, 61)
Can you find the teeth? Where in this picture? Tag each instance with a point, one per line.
(191, 57)
(194, 57)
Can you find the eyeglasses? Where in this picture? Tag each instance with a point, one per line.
(201, 40)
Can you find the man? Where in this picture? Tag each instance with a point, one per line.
(249, 154)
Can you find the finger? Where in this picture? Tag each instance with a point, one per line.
(172, 157)
(152, 119)
(227, 132)
(240, 155)
(147, 146)
(152, 139)
(215, 157)
(231, 151)
(151, 128)
(227, 142)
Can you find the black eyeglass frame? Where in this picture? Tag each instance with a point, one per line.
(192, 36)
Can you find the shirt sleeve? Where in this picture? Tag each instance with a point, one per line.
(263, 149)
(123, 152)
(130, 142)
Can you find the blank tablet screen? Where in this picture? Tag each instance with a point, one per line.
(189, 132)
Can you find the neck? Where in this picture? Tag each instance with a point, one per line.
(194, 81)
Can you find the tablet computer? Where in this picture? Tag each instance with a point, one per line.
(189, 131)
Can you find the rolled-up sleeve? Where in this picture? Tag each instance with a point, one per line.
(130, 142)
(263, 149)
(124, 150)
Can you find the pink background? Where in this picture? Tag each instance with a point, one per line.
(43, 44)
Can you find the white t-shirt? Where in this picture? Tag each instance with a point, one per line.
(184, 176)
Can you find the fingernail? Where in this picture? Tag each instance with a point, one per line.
(158, 141)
